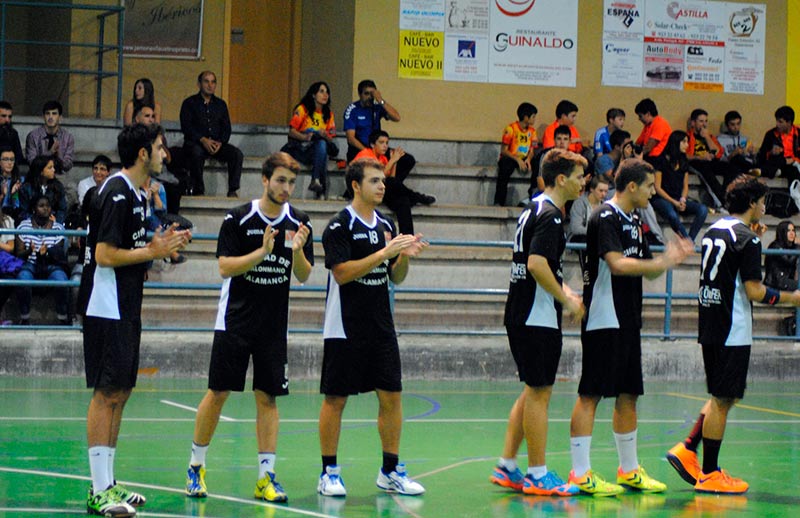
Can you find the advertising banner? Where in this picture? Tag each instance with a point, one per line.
(163, 28)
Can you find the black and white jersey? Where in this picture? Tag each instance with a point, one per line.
(612, 301)
(117, 218)
(360, 308)
(256, 303)
(731, 257)
(540, 231)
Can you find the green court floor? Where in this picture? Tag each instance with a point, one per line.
(451, 439)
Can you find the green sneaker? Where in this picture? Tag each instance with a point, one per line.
(270, 490)
(639, 480)
(131, 498)
(594, 484)
(107, 503)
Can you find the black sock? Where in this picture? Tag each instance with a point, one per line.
(390, 461)
(711, 454)
(696, 435)
(328, 460)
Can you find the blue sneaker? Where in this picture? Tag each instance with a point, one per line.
(505, 478)
(549, 485)
(196, 482)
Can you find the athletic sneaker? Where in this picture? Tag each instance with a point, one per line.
(398, 482)
(594, 484)
(196, 482)
(124, 494)
(720, 481)
(639, 480)
(549, 485)
(685, 462)
(331, 483)
(505, 478)
(269, 489)
(107, 503)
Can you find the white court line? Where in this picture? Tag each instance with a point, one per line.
(282, 507)
(193, 409)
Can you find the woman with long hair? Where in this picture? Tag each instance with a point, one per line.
(781, 270)
(143, 95)
(311, 133)
(9, 182)
(41, 180)
(672, 187)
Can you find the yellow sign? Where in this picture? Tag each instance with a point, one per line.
(421, 55)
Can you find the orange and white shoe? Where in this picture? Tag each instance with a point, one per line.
(720, 482)
(685, 462)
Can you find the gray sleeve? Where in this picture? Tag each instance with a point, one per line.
(579, 216)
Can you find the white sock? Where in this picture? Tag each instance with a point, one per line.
(98, 465)
(579, 447)
(198, 455)
(626, 449)
(509, 464)
(266, 463)
(537, 471)
(111, 453)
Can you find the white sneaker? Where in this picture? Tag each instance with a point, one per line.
(330, 483)
(794, 191)
(398, 482)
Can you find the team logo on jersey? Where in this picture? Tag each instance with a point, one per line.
(605, 214)
(228, 216)
(557, 221)
(118, 197)
(334, 226)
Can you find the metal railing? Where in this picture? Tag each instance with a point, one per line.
(668, 295)
(101, 46)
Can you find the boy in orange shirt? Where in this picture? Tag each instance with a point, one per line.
(516, 150)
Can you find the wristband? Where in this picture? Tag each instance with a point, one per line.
(771, 297)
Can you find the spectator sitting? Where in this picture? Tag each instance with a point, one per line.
(206, 127)
(311, 133)
(41, 179)
(656, 130)
(9, 265)
(51, 139)
(397, 196)
(9, 182)
(596, 193)
(516, 150)
(781, 270)
(8, 135)
(704, 155)
(45, 258)
(157, 217)
(672, 187)
(364, 116)
(566, 113)
(607, 163)
(615, 119)
(101, 168)
(561, 140)
(737, 149)
(780, 149)
(143, 95)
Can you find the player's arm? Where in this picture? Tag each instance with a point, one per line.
(301, 266)
(757, 292)
(349, 271)
(541, 272)
(161, 246)
(230, 266)
(674, 254)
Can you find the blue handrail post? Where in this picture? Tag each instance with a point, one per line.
(796, 324)
(668, 305)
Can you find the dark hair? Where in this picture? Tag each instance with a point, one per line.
(37, 165)
(786, 113)
(5, 105)
(133, 138)
(308, 101)
(560, 161)
(355, 171)
(732, 116)
(696, 113)
(52, 105)
(202, 75)
(672, 151)
(646, 105)
(375, 135)
(632, 170)
(35, 199)
(149, 97)
(138, 109)
(366, 83)
(618, 138)
(742, 192)
(562, 130)
(526, 110)
(279, 159)
(596, 180)
(15, 170)
(613, 113)
(102, 159)
(565, 107)
(781, 232)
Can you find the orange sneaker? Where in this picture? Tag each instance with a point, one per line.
(685, 462)
(720, 481)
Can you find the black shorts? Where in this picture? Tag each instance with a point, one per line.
(536, 351)
(726, 370)
(111, 352)
(612, 363)
(353, 366)
(230, 357)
